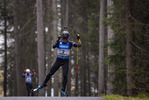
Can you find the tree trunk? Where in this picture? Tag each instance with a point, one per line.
(16, 47)
(5, 69)
(101, 81)
(65, 12)
(129, 51)
(88, 73)
(54, 32)
(110, 52)
(49, 44)
(17, 58)
(84, 87)
(40, 44)
(84, 53)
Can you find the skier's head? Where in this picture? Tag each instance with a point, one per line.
(27, 70)
(65, 35)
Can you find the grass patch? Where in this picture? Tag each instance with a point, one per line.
(118, 97)
(1, 84)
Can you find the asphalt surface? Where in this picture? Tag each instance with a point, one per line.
(52, 98)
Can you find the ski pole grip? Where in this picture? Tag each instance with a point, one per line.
(78, 36)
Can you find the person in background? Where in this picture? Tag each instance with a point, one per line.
(28, 80)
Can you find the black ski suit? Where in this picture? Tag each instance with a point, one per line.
(61, 60)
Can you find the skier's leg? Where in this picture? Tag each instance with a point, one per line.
(65, 69)
(31, 87)
(54, 68)
(28, 89)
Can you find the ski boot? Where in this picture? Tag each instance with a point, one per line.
(39, 87)
(63, 93)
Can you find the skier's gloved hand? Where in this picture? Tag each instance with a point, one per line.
(78, 36)
(59, 37)
(33, 70)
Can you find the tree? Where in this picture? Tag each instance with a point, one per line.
(5, 70)
(110, 51)
(40, 43)
(48, 43)
(101, 81)
(54, 37)
(129, 53)
(17, 58)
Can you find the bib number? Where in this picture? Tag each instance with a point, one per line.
(63, 52)
(28, 79)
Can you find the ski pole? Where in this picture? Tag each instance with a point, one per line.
(77, 69)
(77, 56)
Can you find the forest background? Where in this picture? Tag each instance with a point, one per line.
(113, 59)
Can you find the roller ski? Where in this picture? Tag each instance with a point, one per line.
(63, 93)
(33, 90)
(39, 87)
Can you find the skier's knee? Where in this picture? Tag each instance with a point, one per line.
(50, 74)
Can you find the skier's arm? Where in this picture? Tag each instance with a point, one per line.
(57, 42)
(23, 75)
(75, 44)
(34, 73)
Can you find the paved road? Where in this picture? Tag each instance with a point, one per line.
(52, 98)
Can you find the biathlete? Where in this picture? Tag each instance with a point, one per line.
(63, 46)
(28, 80)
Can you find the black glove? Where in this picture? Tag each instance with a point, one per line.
(59, 37)
(78, 36)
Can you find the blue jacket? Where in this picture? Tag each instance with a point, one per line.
(63, 49)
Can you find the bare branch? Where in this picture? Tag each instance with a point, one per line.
(139, 47)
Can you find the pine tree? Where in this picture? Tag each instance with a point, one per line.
(40, 41)
(129, 53)
(110, 35)
(101, 81)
